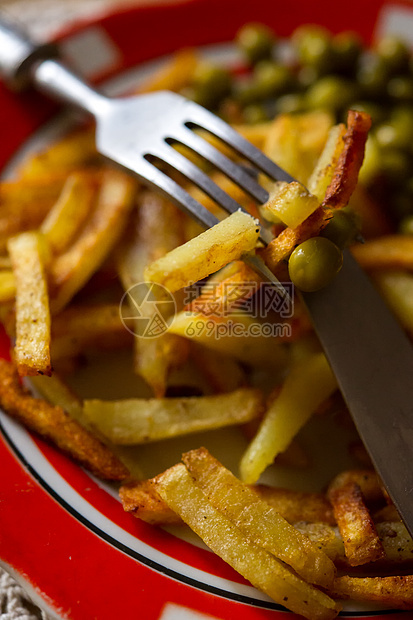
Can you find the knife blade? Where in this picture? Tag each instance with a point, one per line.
(372, 359)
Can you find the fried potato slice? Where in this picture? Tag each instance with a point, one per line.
(143, 501)
(361, 540)
(338, 193)
(175, 74)
(205, 254)
(223, 537)
(295, 142)
(150, 236)
(309, 383)
(32, 348)
(396, 592)
(139, 420)
(7, 286)
(55, 425)
(73, 151)
(256, 519)
(392, 252)
(291, 203)
(86, 326)
(297, 506)
(70, 211)
(72, 269)
(396, 287)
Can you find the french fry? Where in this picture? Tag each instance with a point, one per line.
(69, 212)
(394, 592)
(55, 425)
(72, 269)
(222, 371)
(85, 326)
(361, 540)
(396, 287)
(295, 142)
(71, 152)
(309, 383)
(323, 172)
(137, 421)
(151, 236)
(392, 252)
(58, 393)
(256, 519)
(32, 348)
(205, 254)
(291, 203)
(261, 568)
(7, 286)
(297, 506)
(175, 74)
(217, 333)
(143, 501)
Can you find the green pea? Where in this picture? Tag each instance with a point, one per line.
(331, 92)
(343, 228)
(406, 225)
(271, 79)
(211, 84)
(372, 75)
(313, 45)
(400, 88)
(255, 113)
(288, 104)
(314, 264)
(347, 47)
(394, 52)
(256, 42)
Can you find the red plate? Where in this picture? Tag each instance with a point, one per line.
(61, 533)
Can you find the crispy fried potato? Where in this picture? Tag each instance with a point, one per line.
(297, 506)
(295, 142)
(396, 592)
(361, 540)
(261, 568)
(139, 420)
(175, 74)
(256, 519)
(72, 269)
(205, 254)
(392, 252)
(309, 383)
(396, 287)
(70, 211)
(86, 326)
(250, 344)
(291, 203)
(143, 501)
(7, 286)
(32, 348)
(150, 237)
(55, 425)
(323, 172)
(73, 151)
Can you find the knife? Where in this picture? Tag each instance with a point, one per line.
(372, 359)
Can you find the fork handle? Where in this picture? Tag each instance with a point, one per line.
(18, 53)
(22, 61)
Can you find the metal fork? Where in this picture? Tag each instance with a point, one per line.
(138, 133)
(368, 351)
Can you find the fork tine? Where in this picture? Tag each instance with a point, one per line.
(180, 163)
(220, 129)
(200, 146)
(151, 175)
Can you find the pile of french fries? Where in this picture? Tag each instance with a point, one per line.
(76, 235)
